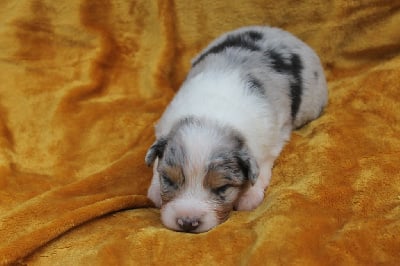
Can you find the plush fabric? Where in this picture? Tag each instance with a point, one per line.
(83, 82)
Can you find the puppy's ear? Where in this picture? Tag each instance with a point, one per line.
(156, 150)
(249, 165)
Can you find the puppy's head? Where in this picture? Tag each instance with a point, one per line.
(203, 169)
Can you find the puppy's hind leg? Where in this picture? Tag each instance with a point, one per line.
(254, 196)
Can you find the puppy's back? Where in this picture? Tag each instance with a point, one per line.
(261, 81)
(269, 58)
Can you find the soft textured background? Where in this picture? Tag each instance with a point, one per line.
(82, 83)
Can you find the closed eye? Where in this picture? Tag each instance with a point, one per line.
(167, 181)
(221, 190)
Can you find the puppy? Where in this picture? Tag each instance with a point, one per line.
(217, 140)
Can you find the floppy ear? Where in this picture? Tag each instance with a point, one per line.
(249, 165)
(156, 150)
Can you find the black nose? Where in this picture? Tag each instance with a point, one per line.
(188, 224)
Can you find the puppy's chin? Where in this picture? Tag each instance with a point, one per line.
(204, 216)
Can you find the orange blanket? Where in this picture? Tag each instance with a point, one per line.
(83, 82)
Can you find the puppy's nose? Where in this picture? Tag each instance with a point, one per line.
(188, 224)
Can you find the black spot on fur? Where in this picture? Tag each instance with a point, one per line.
(244, 40)
(296, 86)
(188, 120)
(156, 150)
(239, 140)
(291, 66)
(255, 85)
(316, 75)
(174, 155)
(254, 35)
(171, 157)
(248, 165)
(237, 164)
(228, 163)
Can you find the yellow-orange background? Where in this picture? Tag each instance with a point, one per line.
(82, 83)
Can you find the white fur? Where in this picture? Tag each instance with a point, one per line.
(194, 200)
(192, 203)
(216, 90)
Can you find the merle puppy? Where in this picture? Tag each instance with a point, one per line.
(218, 138)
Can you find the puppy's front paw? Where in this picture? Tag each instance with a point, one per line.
(155, 195)
(250, 199)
